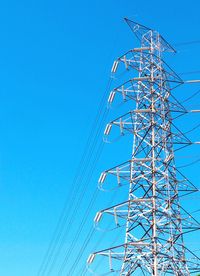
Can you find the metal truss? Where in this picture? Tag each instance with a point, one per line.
(153, 218)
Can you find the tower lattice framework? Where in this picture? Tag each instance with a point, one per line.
(155, 221)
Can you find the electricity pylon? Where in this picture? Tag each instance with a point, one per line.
(155, 221)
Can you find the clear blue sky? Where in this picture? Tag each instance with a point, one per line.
(55, 59)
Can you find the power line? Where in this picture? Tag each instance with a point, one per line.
(192, 96)
(83, 248)
(87, 156)
(84, 219)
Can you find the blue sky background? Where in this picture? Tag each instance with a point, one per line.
(55, 60)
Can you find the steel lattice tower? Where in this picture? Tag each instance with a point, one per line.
(155, 221)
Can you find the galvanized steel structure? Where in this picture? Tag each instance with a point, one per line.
(155, 220)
